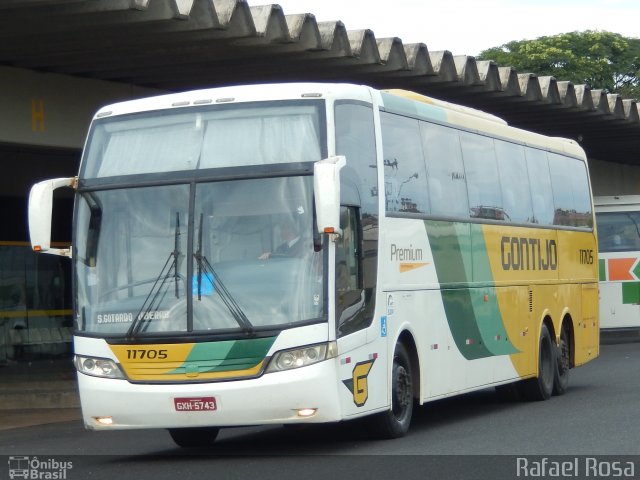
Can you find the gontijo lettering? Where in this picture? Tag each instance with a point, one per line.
(521, 253)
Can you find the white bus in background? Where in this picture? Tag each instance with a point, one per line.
(618, 224)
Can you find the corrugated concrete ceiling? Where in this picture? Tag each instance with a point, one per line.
(185, 44)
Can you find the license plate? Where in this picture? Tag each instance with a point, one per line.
(197, 404)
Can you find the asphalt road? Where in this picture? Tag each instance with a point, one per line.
(598, 416)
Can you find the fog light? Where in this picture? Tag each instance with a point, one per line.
(104, 420)
(307, 412)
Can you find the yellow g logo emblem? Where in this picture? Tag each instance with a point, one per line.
(357, 384)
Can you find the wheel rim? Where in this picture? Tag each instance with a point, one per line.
(402, 392)
(564, 361)
(546, 362)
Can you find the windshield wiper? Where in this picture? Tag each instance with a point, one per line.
(176, 254)
(95, 224)
(226, 297)
(154, 298)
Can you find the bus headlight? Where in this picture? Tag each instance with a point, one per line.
(302, 356)
(97, 367)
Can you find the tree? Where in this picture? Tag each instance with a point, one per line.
(600, 59)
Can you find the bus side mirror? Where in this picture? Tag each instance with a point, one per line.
(326, 184)
(40, 210)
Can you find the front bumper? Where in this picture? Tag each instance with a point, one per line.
(273, 398)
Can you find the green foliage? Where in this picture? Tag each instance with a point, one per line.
(600, 59)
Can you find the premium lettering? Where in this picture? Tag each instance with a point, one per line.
(405, 254)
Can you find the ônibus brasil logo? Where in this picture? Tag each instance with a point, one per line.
(38, 469)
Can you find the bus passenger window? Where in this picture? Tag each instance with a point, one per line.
(541, 194)
(514, 181)
(356, 140)
(483, 183)
(570, 192)
(447, 187)
(405, 175)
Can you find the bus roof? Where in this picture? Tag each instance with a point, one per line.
(399, 101)
(446, 105)
(238, 94)
(415, 105)
(624, 202)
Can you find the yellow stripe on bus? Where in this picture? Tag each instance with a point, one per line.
(35, 313)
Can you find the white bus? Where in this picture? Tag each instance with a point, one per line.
(618, 223)
(308, 253)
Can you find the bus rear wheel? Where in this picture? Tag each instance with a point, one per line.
(541, 387)
(563, 363)
(194, 437)
(394, 423)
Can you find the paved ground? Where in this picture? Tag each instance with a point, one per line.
(597, 417)
(38, 392)
(27, 418)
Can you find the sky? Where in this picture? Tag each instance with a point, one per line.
(466, 27)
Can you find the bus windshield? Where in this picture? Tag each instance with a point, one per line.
(228, 135)
(239, 257)
(618, 231)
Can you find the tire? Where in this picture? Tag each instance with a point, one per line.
(541, 387)
(194, 437)
(563, 364)
(394, 423)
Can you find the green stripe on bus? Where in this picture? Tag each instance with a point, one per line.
(463, 323)
(226, 355)
(630, 292)
(404, 106)
(485, 300)
(602, 270)
(246, 354)
(473, 314)
(451, 248)
(494, 335)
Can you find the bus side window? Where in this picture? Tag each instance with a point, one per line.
(541, 193)
(405, 174)
(356, 140)
(347, 252)
(571, 195)
(481, 173)
(349, 291)
(514, 181)
(447, 185)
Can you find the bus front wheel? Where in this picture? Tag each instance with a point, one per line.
(194, 437)
(394, 423)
